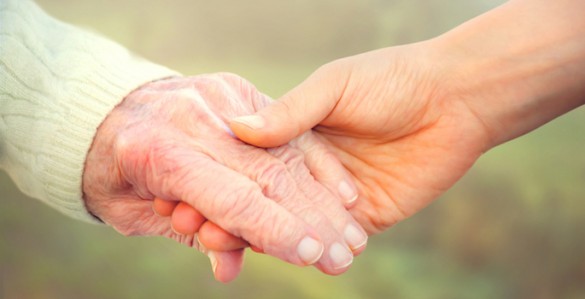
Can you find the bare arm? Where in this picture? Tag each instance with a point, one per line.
(518, 66)
(409, 121)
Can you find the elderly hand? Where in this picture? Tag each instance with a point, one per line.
(409, 121)
(386, 116)
(169, 139)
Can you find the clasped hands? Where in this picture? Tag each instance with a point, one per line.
(361, 144)
(170, 140)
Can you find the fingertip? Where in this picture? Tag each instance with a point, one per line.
(359, 250)
(245, 133)
(339, 259)
(355, 237)
(310, 250)
(348, 193)
(186, 220)
(215, 238)
(226, 265)
(256, 249)
(271, 126)
(163, 208)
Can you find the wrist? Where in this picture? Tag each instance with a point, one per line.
(102, 175)
(512, 80)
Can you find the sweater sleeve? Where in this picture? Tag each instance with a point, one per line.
(57, 84)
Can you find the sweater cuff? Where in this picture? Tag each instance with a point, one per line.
(58, 85)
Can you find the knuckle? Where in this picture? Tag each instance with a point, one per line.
(159, 159)
(128, 153)
(312, 215)
(273, 172)
(273, 232)
(288, 155)
(274, 178)
(231, 78)
(241, 213)
(245, 216)
(293, 158)
(237, 204)
(237, 83)
(156, 164)
(278, 234)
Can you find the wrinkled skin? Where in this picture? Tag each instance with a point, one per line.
(390, 116)
(170, 140)
(409, 121)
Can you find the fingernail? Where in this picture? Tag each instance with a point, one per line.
(355, 237)
(252, 121)
(340, 255)
(174, 230)
(200, 245)
(310, 250)
(347, 192)
(213, 261)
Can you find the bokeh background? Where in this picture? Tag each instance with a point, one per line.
(512, 228)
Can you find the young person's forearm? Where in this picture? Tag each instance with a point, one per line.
(520, 65)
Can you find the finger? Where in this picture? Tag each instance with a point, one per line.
(354, 236)
(256, 249)
(237, 204)
(163, 208)
(296, 112)
(274, 176)
(326, 168)
(284, 180)
(226, 265)
(186, 220)
(215, 238)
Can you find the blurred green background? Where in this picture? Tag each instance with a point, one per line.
(512, 228)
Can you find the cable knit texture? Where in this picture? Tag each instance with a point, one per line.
(57, 84)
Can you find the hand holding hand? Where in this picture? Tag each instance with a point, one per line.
(388, 116)
(170, 140)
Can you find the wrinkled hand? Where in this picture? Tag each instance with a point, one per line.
(170, 140)
(389, 117)
(409, 121)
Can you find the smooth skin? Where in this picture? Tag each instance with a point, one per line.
(409, 121)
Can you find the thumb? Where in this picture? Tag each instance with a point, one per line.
(299, 110)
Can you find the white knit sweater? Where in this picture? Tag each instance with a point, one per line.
(57, 84)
